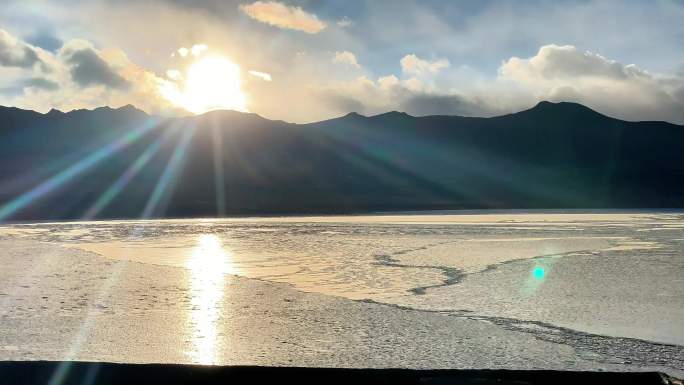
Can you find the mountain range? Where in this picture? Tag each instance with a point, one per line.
(124, 163)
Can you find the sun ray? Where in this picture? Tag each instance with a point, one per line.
(117, 187)
(219, 182)
(75, 170)
(172, 169)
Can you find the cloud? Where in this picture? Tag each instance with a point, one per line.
(87, 68)
(440, 104)
(194, 50)
(428, 84)
(414, 84)
(558, 62)
(409, 95)
(412, 64)
(388, 81)
(626, 91)
(344, 22)
(261, 75)
(342, 103)
(41, 83)
(197, 49)
(346, 57)
(174, 74)
(64, 79)
(556, 73)
(283, 16)
(16, 53)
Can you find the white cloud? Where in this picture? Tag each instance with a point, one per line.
(412, 64)
(570, 74)
(344, 22)
(194, 50)
(283, 16)
(387, 82)
(346, 57)
(79, 75)
(556, 73)
(261, 75)
(197, 49)
(174, 74)
(414, 84)
(559, 62)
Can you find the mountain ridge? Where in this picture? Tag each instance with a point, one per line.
(124, 163)
(540, 106)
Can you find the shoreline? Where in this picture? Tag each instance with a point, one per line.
(371, 213)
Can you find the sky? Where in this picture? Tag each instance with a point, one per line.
(309, 60)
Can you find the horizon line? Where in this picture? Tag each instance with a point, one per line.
(348, 114)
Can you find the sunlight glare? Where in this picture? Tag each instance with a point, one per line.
(211, 83)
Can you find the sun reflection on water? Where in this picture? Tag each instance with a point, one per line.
(208, 264)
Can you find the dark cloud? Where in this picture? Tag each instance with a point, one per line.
(41, 83)
(341, 103)
(680, 71)
(398, 97)
(11, 90)
(430, 104)
(18, 88)
(88, 68)
(679, 95)
(15, 53)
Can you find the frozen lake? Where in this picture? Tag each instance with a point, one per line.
(540, 290)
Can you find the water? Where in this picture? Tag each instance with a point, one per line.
(605, 274)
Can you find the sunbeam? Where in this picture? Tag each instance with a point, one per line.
(75, 170)
(218, 171)
(118, 186)
(161, 189)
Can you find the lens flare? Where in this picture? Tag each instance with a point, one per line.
(538, 273)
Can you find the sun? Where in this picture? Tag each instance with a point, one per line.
(211, 83)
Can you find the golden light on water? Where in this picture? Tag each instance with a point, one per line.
(208, 264)
(211, 83)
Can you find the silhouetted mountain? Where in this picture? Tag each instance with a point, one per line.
(124, 163)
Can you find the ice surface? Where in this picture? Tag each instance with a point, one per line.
(512, 290)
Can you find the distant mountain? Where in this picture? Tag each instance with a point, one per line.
(123, 163)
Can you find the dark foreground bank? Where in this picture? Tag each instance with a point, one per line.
(41, 372)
